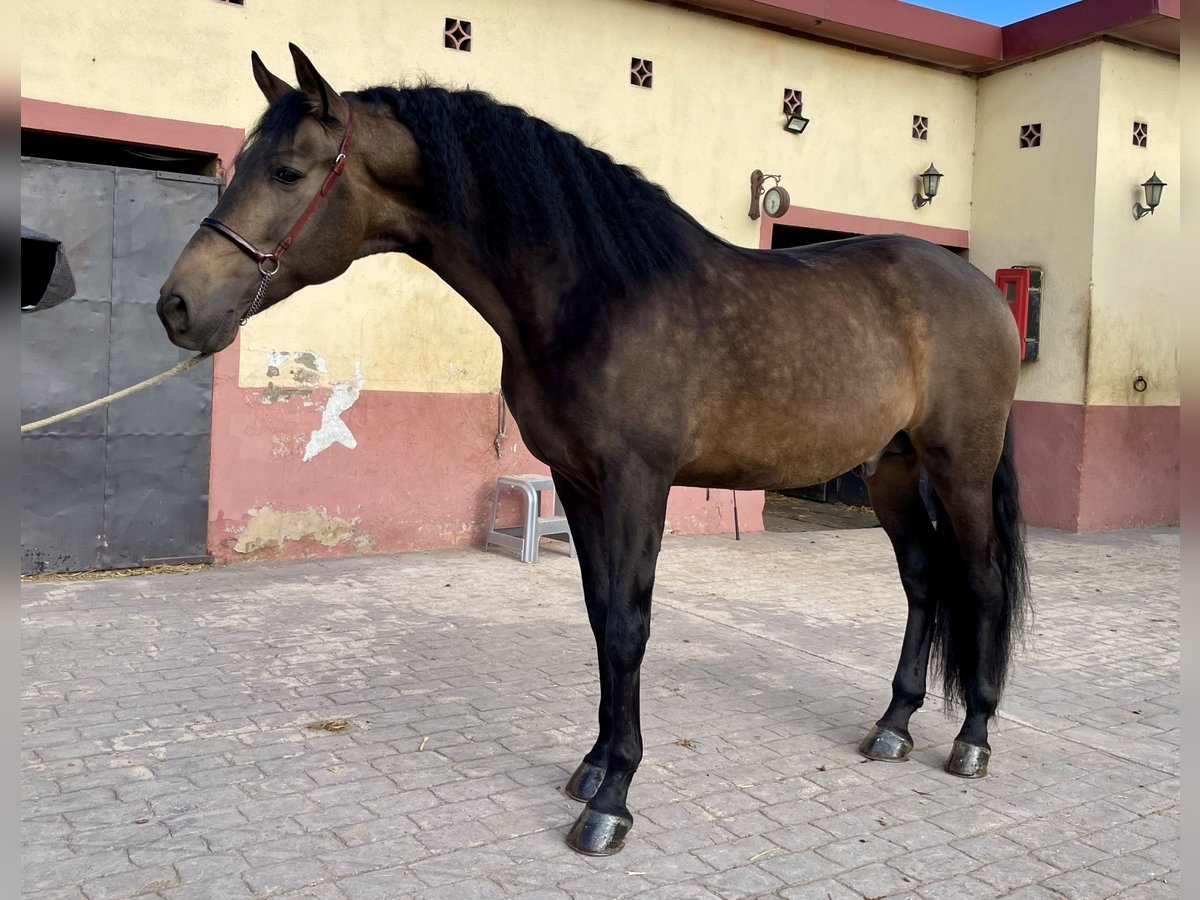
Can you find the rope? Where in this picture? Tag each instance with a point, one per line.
(501, 421)
(104, 401)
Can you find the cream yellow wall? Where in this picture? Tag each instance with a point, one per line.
(1035, 206)
(712, 117)
(1136, 301)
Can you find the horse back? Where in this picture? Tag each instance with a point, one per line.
(816, 357)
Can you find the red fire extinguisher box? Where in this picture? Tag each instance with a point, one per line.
(1022, 288)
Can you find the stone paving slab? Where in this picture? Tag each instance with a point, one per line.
(167, 753)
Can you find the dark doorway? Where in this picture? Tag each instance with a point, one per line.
(93, 151)
(783, 236)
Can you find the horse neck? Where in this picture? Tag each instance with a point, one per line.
(523, 298)
(522, 302)
(541, 304)
(517, 302)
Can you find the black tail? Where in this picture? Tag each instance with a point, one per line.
(956, 618)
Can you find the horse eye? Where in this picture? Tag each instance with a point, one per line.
(287, 176)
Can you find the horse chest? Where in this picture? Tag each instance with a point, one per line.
(540, 420)
(574, 428)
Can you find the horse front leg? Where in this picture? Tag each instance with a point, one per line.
(587, 528)
(634, 510)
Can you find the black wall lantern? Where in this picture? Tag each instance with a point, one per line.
(1153, 187)
(930, 179)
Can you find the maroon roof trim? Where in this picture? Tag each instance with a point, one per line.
(914, 32)
(1142, 21)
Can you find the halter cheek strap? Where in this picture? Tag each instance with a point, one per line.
(268, 263)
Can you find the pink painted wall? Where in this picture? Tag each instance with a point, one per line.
(422, 475)
(1093, 468)
(1130, 467)
(1048, 445)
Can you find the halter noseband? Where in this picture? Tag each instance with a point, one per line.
(268, 263)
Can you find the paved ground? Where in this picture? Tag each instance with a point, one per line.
(784, 513)
(167, 753)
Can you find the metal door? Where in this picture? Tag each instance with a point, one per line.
(126, 485)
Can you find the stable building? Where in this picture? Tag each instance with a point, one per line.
(364, 415)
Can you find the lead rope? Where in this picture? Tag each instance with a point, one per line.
(501, 421)
(259, 295)
(104, 401)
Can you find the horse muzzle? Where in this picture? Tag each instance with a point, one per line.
(186, 331)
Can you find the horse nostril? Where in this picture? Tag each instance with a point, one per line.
(173, 312)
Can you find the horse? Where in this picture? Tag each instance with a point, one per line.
(640, 351)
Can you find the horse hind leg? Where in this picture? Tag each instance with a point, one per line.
(894, 487)
(984, 606)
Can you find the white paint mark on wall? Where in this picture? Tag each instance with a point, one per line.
(332, 429)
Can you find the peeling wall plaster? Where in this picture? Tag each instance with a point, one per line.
(269, 529)
(308, 368)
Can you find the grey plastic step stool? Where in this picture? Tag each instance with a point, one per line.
(525, 537)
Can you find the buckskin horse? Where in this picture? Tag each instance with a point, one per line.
(642, 351)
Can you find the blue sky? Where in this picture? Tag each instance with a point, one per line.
(995, 12)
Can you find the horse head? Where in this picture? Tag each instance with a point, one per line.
(306, 185)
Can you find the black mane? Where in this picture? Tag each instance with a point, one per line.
(514, 182)
(537, 187)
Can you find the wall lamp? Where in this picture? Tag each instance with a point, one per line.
(1153, 187)
(931, 178)
(796, 123)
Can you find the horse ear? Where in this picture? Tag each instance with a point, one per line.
(272, 86)
(326, 102)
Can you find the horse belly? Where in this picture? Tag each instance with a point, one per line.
(768, 447)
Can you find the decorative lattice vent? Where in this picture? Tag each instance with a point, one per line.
(457, 35)
(641, 72)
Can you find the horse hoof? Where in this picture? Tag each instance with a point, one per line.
(598, 833)
(968, 760)
(886, 744)
(582, 785)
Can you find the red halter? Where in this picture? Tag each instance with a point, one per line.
(268, 263)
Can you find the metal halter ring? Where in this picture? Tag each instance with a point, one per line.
(262, 262)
